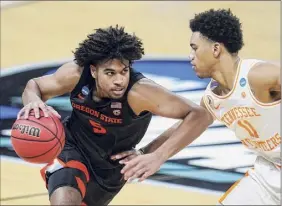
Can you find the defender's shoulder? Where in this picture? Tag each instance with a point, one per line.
(264, 74)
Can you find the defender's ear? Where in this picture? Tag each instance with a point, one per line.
(216, 50)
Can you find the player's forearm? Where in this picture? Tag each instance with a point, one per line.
(31, 92)
(156, 143)
(195, 123)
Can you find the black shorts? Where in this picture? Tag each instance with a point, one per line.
(71, 169)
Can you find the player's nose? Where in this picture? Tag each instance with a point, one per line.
(118, 80)
(190, 57)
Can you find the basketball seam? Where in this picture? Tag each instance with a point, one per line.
(55, 125)
(33, 140)
(63, 132)
(41, 153)
(59, 139)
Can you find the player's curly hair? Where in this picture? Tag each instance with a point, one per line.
(220, 26)
(108, 43)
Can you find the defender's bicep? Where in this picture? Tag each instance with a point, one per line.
(60, 82)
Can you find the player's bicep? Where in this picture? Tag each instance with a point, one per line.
(60, 82)
(149, 96)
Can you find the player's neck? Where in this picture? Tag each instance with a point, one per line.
(96, 95)
(226, 70)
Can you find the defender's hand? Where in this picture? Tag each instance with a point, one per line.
(142, 167)
(35, 106)
(126, 156)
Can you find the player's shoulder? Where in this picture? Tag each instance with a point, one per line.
(263, 72)
(69, 70)
(72, 68)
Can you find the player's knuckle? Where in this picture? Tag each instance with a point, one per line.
(42, 105)
(142, 164)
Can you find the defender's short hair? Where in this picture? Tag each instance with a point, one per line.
(220, 26)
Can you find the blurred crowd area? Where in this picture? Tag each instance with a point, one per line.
(36, 31)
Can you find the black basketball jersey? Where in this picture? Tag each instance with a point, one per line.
(103, 128)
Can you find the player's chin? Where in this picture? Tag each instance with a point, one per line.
(202, 75)
(199, 75)
(114, 95)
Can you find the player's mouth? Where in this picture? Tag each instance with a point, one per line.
(118, 91)
(193, 66)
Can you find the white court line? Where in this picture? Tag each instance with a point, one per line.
(176, 186)
(148, 182)
(18, 160)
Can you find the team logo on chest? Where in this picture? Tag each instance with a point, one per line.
(117, 106)
(117, 112)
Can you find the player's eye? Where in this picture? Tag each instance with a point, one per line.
(110, 73)
(124, 71)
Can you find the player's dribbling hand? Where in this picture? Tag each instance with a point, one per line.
(35, 106)
(126, 156)
(142, 167)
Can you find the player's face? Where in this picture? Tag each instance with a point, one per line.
(112, 78)
(202, 55)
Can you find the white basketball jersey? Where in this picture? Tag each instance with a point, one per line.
(256, 124)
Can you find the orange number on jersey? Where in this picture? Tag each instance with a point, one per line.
(97, 128)
(247, 126)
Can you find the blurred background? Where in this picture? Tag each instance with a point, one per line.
(38, 36)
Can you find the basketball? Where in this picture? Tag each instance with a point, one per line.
(38, 140)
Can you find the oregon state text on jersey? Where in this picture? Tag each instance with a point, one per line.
(256, 124)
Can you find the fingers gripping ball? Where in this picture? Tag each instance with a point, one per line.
(38, 140)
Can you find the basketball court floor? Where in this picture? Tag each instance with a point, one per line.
(37, 32)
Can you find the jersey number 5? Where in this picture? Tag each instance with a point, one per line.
(97, 128)
(250, 128)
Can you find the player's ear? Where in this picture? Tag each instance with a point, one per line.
(93, 70)
(216, 49)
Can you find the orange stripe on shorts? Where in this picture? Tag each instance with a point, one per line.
(230, 189)
(81, 186)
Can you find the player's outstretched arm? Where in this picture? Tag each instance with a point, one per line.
(38, 90)
(156, 143)
(149, 96)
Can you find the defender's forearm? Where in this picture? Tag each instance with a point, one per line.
(156, 143)
(195, 123)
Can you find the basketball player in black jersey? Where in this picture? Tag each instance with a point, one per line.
(112, 108)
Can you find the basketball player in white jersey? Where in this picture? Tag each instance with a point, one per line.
(244, 94)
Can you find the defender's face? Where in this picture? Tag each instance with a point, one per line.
(112, 78)
(202, 55)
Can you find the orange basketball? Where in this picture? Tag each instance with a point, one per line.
(38, 140)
